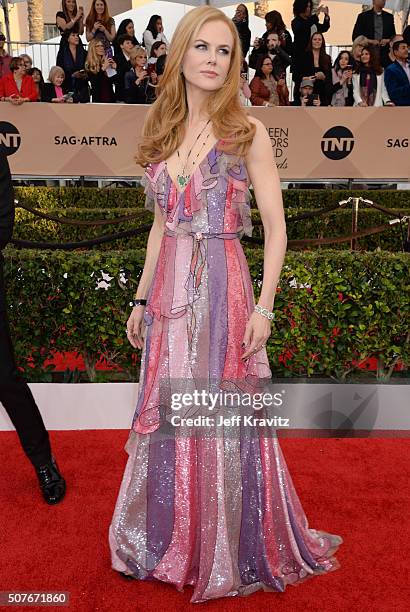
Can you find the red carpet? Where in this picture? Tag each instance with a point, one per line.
(357, 488)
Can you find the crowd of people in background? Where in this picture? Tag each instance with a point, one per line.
(116, 67)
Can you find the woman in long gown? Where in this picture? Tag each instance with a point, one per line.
(209, 506)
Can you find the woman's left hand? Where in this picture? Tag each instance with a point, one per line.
(320, 76)
(257, 331)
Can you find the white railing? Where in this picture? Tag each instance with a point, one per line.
(44, 54)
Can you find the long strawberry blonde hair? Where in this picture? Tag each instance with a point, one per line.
(164, 125)
(92, 16)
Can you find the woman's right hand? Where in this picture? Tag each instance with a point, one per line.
(142, 76)
(136, 327)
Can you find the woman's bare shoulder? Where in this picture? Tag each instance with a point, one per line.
(257, 122)
(261, 137)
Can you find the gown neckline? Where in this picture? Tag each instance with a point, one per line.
(203, 160)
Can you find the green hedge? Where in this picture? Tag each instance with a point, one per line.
(48, 198)
(333, 310)
(338, 223)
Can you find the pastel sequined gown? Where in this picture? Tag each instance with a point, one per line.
(215, 511)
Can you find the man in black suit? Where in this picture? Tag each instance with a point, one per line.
(378, 27)
(15, 394)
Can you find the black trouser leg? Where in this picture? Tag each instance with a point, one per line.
(17, 399)
(296, 90)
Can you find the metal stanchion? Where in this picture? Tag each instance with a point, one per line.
(355, 221)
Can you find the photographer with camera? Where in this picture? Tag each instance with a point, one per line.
(307, 97)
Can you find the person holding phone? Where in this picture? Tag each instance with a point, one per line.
(71, 58)
(55, 91)
(18, 87)
(342, 85)
(102, 72)
(307, 97)
(99, 24)
(317, 65)
(241, 21)
(139, 85)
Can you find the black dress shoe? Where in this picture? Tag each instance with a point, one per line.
(52, 484)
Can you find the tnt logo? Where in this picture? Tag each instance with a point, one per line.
(10, 138)
(337, 143)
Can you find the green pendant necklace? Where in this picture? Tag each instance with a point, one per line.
(183, 179)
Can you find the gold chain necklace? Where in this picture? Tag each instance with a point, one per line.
(183, 178)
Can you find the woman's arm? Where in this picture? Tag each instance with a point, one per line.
(152, 252)
(89, 34)
(135, 323)
(256, 98)
(384, 92)
(264, 177)
(111, 32)
(64, 25)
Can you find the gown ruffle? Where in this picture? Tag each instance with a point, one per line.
(207, 506)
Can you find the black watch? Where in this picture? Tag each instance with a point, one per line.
(138, 302)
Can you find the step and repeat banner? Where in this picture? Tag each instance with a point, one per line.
(99, 140)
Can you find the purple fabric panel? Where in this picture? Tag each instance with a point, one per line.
(160, 497)
(252, 561)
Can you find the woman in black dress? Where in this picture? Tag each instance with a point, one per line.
(70, 18)
(71, 58)
(241, 20)
(317, 65)
(98, 67)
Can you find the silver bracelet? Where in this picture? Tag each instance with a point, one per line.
(264, 312)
